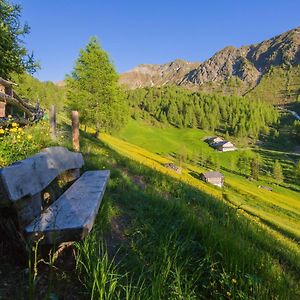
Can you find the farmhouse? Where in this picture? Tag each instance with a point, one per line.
(225, 146)
(215, 178)
(214, 140)
(220, 144)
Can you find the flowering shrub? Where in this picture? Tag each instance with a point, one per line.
(16, 142)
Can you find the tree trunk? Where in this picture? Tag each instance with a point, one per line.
(97, 130)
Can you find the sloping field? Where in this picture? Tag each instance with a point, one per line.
(278, 210)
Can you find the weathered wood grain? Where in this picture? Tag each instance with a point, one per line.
(71, 217)
(28, 209)
(30, 176)
(10, 100)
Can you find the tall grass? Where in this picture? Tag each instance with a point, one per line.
(180, 243)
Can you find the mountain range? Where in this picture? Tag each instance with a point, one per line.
(231, 70)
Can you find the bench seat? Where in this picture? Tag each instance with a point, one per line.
(71, 217)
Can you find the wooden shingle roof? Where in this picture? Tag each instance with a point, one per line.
(213, 174)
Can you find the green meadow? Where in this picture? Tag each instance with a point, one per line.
(163, 140)
(162, 235)
(176, 142)
(278, 209)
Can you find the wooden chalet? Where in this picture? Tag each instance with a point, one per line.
(219, 144)
(213, 177)
(225, 146)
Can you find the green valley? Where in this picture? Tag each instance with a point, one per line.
(176, 180)
(173, 144)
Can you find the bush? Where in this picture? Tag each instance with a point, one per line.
(17, 142)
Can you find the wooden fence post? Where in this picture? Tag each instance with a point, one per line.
(53, 121)
(75, 130)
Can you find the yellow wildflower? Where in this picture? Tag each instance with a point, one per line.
(2, 131)
(233, 280)
(228, 294)
(18, 136)
(13, 129)
(14, 124)
(20, 129)
(29, 137)
(9, 116)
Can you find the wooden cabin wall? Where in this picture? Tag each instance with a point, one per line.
(2, 109)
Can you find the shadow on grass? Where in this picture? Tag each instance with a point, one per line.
(191, 231)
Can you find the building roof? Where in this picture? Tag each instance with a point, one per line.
(225, 144)
(213, 174)
(6, 82)
(213, 138)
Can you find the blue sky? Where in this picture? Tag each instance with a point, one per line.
(135, 32)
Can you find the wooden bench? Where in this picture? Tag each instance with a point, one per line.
(68, 218)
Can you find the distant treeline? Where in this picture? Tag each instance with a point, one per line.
(235, 115)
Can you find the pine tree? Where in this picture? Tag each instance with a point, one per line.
(93, 90)
(243, 162)
(254, 167)
(227, 136)
(277, 172)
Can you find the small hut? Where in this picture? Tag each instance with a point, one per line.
(215, 178)
(173, 167)
(225, 146)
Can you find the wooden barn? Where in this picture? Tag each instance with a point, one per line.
(215, 178)
(225, 146)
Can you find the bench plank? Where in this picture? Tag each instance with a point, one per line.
(71, 217)
(30, 176)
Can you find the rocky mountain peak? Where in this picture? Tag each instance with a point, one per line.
(247, 63)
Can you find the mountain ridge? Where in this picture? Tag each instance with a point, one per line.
(246, 64)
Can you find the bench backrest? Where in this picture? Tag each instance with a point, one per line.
(27, 178)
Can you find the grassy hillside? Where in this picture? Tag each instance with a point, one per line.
(188, 144)
(279, 208)
(160, 235)
(164, 140)
(179, 240)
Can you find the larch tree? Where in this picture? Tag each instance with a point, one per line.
(255, 167)
(93, 90)
(277, 172)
